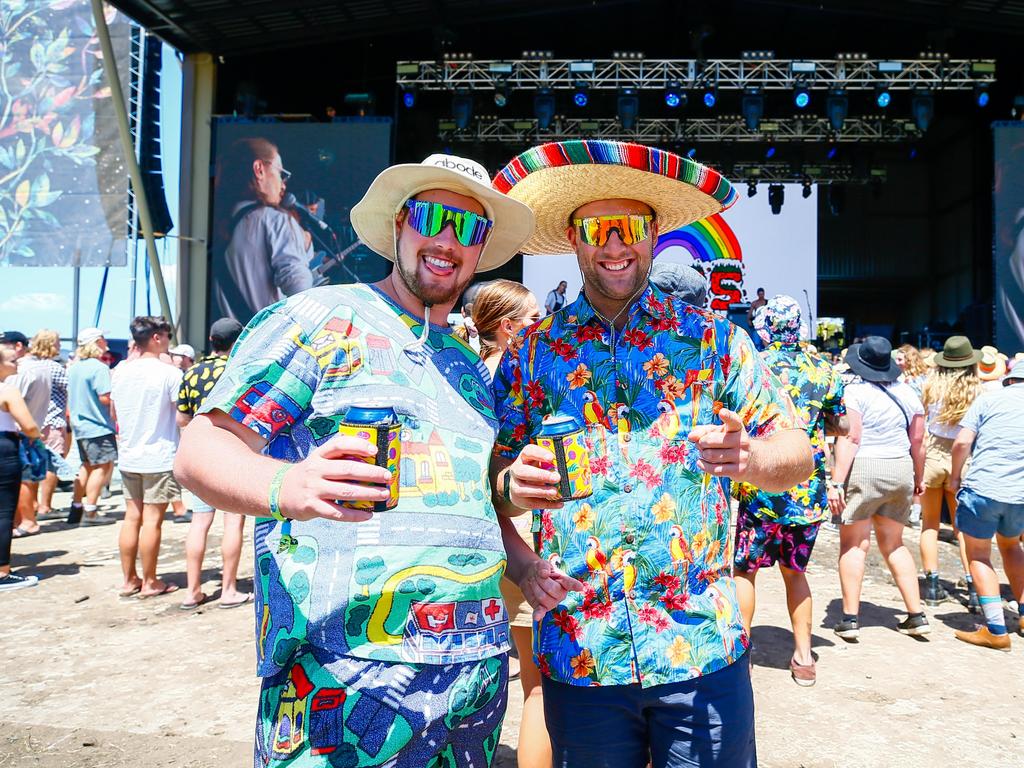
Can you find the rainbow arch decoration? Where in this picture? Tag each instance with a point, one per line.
(715, 251)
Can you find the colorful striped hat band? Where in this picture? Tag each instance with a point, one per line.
(556, 179)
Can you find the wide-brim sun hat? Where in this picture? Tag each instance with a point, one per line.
(373, 217)
(555, 179)
(991, 367)
(957, 352)
(872, 360)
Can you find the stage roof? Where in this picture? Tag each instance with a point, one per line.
(242, 27)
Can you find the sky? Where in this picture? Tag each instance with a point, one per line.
(32, 298)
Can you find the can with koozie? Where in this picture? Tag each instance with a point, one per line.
(564, 437)
(380, 426)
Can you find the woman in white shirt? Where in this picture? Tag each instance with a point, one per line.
(878, 467)
(947, 394)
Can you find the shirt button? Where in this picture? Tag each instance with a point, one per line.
(625, 438)
(628, 487)
(629, 538)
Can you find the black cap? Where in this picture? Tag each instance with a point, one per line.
(13, 337)
(224, 333)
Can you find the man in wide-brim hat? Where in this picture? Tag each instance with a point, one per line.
(675, 401)
(382, 638)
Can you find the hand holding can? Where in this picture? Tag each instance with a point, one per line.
(563, 436)
(378, 425)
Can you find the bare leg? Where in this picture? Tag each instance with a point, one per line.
(964, 560)
(889, 535)
(26, 514)
(97, 476)
(1013, 563)
(534, 747)
(195, 549)
(178, 507)
(128, 544)
(854, 541)
(985, 580)
(798, 600)
(231, 553)
(149, 547)
(80, 481)
(931, 515)
(747, 595)
(46, 491)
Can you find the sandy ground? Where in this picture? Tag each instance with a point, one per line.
(93, 680)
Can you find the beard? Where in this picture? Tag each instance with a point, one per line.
(430, 295)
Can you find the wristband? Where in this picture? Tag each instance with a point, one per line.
(506, 486)
(835, 484)
(275, 493)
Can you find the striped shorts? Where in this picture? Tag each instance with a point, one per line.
(879, 487)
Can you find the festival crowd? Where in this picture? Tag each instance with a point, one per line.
(391, 584)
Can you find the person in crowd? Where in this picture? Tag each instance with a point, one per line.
(92, 426)
(45, 347)
(782, 528)
(649, 662)
(33, 381)
(196, 384)
(756, 304)
(501, 309)
(183, 356)
(948, 393)
(409, 599)
(915, 371)
(991, 368)
(15, 421)
(260, 252)
(681, 281)
(556, 298)
(878, 467)
(144, 397)
(991, 502)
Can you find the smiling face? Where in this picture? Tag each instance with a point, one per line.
(615, 272)
(437, 269)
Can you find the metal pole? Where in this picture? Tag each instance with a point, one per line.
(110, 67)
(76, 293)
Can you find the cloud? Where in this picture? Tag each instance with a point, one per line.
(35, 302)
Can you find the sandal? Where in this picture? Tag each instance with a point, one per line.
(21, 533)
(227, 606)
(168, 588)
(189, 606)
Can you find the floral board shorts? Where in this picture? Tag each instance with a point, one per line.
(354, 713)
(762, 543)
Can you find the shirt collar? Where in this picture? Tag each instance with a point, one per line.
(652, 301)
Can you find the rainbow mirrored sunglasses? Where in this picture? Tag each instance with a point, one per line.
(429, 219)
(632, 228)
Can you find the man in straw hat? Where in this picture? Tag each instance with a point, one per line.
(382, 638)
(991, 501)
(649, 663)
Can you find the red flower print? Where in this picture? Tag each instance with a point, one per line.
(563, 349)
(672, 454)
(674, 601)
(536, 393)
(588, 333)
(668, 581)
(543, 665)
(600, 466)
(519, 433)
(567, 623)
(665, 324)
(660, 622)
(725, 361)
(645, 473)
(547, 527)
(638, 339)
(648, 614)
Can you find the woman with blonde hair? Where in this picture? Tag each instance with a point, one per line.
(501, 309)
(915, 369)
(45, 345)
(947, 394)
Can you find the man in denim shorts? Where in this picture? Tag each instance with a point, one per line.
(991, 500)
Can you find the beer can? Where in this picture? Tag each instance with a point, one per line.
(380, 426)
(564, 437)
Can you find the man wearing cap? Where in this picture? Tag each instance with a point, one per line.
(92, 425)
(183, 356)
(681, 281)
(196, 385)
(991, 501)
(649, 662)
(782, 528)
(384, 632)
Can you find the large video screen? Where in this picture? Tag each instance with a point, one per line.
(1008, 248)
(281, 203)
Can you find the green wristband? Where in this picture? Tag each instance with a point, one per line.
(275, 493)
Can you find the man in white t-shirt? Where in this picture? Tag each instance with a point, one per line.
(145, 397)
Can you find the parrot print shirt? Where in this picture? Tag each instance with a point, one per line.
(816, 389)
(651, 542)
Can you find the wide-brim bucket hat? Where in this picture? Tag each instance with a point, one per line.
(872, 360)
(373, 217)
(555, 179)
(957, 352)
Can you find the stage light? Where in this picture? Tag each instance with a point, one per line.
(501, 95)
(882, 97)
(806, 191)
(627, 108)
(776, 197)
(710, 97)
(801, 97)
(753, 108)
(837, 106)
(544, 108)
(922, 109)
(836, 199)
(580, 98)
(770, 152)
(691, 152)
(981, 95)
(751, 188)
(409, 97)
(462, 109)
(832, 152)
(674, 96)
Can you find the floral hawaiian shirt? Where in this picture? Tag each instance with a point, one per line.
(651, 542)
(816, 389)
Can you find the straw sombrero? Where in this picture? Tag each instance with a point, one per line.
(373, 217)
(556, 179)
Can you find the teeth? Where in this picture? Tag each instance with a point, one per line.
(439, 263)
(616, 266)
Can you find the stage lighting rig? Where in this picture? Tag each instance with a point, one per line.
(710, 97)
(922, 109)
(627, 108)
(806, 191)
(751, 188)
(581, 97)
(776, 197)
(675, 96)
(544, 108)
(628, 55)
(883, 98)
(837, 107)
(409, 97)
(462, 109)
(801, 97)
(501, 93)
(753, 108)
(981, 95)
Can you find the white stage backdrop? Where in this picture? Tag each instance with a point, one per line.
(744, 249)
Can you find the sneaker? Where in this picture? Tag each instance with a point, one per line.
(803, 675)
(75, 513)
(13, 581)
(97, 519)
(848, 630)
(915, 626)
(973, 603)
(932, 592)
(981, 636)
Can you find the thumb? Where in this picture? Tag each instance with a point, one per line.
(730, 420)
(568, 582)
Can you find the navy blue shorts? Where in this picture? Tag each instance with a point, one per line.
(981, 517)
(706, 722)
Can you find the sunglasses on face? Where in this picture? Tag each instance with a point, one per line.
(429, 219)
(632, 228)
(285, 175)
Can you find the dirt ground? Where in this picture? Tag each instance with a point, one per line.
(93, 680)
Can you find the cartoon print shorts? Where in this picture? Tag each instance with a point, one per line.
(344, 712)
(762, 543)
